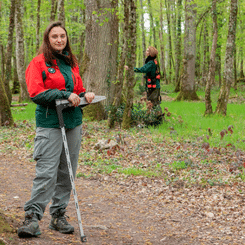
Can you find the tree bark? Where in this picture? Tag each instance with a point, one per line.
(99, 66)
(178, 48)
(120, 72)
(6, 118)
(235, 71)
(126, 123)
(241, 77)
(20, 57)
(152, 24)
(142, 21)
(212, 65)
(229, 59)
(61, 11)
(187, 88)
(2, 61)
(9, 52)
(82, 37)
(170, 53)
(53, 10)
(162, 61)
(16, 84)
(205, 54)
(38, 25)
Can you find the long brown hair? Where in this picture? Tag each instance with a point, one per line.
(49, 52)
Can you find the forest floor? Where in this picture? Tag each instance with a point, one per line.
(203, 203)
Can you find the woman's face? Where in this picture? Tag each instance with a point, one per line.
(57, 38)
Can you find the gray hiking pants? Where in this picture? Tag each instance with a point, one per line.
(52, 179)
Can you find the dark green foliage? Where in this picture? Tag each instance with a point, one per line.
(140, 115)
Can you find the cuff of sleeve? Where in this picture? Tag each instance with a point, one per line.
(66, 94)
(136, 69)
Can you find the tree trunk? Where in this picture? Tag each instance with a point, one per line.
(187, 88)
(16, 84)
(229, 59)
(235, 71)
(120, 72)
(152, 24)
(2, 70)
(218, 63)
(178, 48)
(82, 38)
(20, 57)
(9, 52)
(38, 25)
(170, 53)
(126, 123)
(198, 56)
(212, 65)
(241, 65)
(142, 21)
(205, 54)
(6, 118)
(162, 62)
(53, 10)
(1, 49)
(99, 67)
(61, 11)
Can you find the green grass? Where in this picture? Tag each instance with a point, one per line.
(193, 124)
(24, 112)
(186, 119)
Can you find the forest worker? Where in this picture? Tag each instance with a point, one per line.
(53, 74)
(151, 69)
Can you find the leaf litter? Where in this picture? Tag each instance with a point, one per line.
(138, 190)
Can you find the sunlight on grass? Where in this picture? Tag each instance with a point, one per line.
(195, 124)
(24, 112)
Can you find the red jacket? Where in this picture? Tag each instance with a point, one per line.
(40, 77)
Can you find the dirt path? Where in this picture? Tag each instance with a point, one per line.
(118, 212)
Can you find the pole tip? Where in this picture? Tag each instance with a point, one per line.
(83, 239)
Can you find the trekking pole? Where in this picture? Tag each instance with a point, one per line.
(60, 105)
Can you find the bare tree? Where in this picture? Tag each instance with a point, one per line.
(187, 88)
(5, 111)
(212, 65)
(99, 66)
(229, 59)
(9, 51)
(152, 23)
(142, 21)
(120, 72)
(126, 123)
(178, 48)
(38, 25)
(20, 54)
(53, 10)
(61, 11)
(162, 51)
(170, 52)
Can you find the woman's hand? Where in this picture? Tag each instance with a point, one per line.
(74, 99)
(126, 67)
(89, 96)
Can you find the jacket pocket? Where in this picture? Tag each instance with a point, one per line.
(41, 143)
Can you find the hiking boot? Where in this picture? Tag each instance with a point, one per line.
(59, 223)
(30, 226)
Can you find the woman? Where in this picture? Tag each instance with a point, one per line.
(53, 74)
(152, 76)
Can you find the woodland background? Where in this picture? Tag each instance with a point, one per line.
(199, 42)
